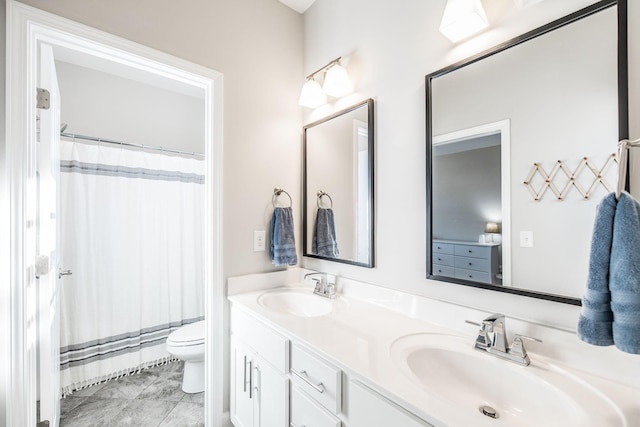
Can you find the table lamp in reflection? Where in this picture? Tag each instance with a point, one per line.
(492, 228)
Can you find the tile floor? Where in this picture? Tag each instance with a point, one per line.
(153, 398)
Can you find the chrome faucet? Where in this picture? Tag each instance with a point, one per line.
(492, 339)
(323, 287)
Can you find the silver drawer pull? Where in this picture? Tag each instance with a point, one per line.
(304, 377)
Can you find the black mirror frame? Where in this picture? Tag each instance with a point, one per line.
(370, 177)
(623, 123)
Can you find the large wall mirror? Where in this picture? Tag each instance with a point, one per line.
(554, 97)
(338, 187)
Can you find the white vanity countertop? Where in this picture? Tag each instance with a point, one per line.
(357, 336)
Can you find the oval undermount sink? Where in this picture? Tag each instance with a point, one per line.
(298, 302)
(541, 394)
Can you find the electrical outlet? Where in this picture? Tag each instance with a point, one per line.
(526, 239)
(259, 238)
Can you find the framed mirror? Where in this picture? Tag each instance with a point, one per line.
(521, 143)
(338, 187)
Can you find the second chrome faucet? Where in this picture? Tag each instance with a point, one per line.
(324, 287)
(492, 339)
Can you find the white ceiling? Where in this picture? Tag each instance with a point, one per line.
(299, 6)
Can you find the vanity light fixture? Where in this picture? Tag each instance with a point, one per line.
(336, 84)
(462, 19)
(311, 95)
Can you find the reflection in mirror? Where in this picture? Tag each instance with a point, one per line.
(338, 186)
(548, 96)
(471, 192)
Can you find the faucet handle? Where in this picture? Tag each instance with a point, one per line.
(482, 341)
(526, 337)
(517, 346)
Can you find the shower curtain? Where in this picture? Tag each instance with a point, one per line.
(132, 233)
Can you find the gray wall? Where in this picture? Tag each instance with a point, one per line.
(466, 186)
(107, 106)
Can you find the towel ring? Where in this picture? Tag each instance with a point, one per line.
(322, 193)
(278, 191)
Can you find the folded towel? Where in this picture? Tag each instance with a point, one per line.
(594, 325)
(324, 234)
(283, 242)
(624, 280)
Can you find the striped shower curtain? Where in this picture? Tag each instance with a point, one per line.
(132, 233)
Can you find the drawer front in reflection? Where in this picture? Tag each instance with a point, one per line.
(473, 251)
(443, 270)
(442, 248)
(474, 276)
(477, 264)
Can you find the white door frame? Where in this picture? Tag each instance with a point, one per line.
(26, 27)
(502, 127)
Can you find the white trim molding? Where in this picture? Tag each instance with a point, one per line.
(26, 28)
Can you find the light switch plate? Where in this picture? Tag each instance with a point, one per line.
(259, 238)
(526, 239)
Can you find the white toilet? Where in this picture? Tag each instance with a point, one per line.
(187, 344)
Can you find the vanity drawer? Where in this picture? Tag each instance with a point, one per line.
(306, 413)
(442, 248)
(271, 346)
(477, 264)
(317, 378)
(476, 276)
(443, 270)
(473, 251)
(443, 259)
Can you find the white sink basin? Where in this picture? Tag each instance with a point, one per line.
(542, 394)
(298, 302)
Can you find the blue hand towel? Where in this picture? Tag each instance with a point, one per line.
(283, 242)
(624, 280)
(324, 234)
(594, 325)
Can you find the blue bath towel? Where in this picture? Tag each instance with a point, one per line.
(594, 325)
(283, 242)
(324, 241)
(624, 276)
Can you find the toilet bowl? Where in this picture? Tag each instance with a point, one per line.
(187, 344)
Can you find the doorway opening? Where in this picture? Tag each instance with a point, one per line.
(29, 31)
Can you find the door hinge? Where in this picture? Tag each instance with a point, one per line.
(42, 99)
(44, 423)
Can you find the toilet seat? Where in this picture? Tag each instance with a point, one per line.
(187, 335)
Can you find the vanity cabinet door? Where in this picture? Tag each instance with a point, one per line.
(259, 393)
(272, 395)
(242, 387)
(369, 409)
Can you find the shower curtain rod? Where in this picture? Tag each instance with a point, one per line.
(128, 144)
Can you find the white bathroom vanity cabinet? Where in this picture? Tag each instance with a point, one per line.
(279, 381)
(373, 357)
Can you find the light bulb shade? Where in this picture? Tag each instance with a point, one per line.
(492, 227)
(311, 95)
(336, 82)
(462, 19)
